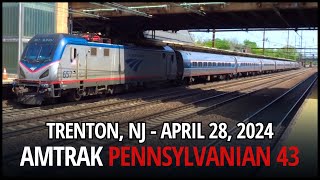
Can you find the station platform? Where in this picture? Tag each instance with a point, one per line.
(10, 79)
(303, 133)
(7, 86)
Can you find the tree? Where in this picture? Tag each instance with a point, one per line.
(287, 52)
(218, 43)
(252, 46)
(222, 44)
(284, 52)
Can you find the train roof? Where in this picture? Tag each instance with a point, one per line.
(75, 39)
(194, 48)
(221, 51)
(55, 38)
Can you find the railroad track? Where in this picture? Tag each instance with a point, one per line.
(276, 107)
(13, 156)
(173, 117)
(27, 114)
(11, 111)
(155, 120)
(279, 112)
(31, 124)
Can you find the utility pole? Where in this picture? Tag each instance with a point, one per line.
(305, 45)
(70, 23)
(288, 45)
(301, 47)
(213, 36)
(264, 32)
(20, 32)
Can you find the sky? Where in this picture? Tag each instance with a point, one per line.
(274, 39)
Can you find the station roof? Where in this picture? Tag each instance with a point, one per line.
(204, 15)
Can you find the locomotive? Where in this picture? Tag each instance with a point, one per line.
(63, 65)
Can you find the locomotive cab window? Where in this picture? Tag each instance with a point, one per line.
(93, 51)
(73, 54)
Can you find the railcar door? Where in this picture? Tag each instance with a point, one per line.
(235, 65)
(260, 65)
(180, 67)
(173, 66)
(82, 55)
(170, 61)
(120, 58)
(74, 56)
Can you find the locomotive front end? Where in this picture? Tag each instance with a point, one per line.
(37, 70)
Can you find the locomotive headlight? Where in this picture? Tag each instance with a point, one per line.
(21, 74)
(45, 74)
(44, 85)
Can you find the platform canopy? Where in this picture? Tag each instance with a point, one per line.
(136, 16)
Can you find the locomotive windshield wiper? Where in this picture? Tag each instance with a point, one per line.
(46, 60)
(43, 61)
(33, 61)
(24, 59)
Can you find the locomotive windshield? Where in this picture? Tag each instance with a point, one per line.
(38, 53)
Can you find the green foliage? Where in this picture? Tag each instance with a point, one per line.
(250, 44)
(287, 52)
(221, 44)
(284, 52)
(218, 43)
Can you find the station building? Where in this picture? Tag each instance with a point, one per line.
(21, 21)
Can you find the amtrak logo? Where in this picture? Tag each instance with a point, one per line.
(33, 68)
(134, 64)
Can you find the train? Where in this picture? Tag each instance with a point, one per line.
(68, 66)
